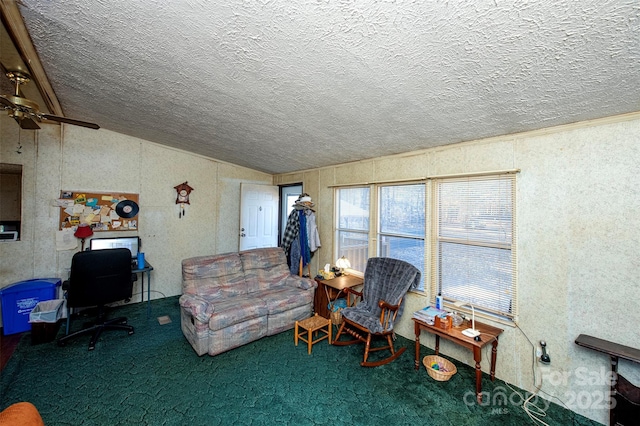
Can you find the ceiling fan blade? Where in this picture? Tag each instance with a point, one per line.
(26, 123)
(69, 121)
(6, 102)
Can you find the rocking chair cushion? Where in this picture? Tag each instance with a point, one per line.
(384, 279)
(364, 318)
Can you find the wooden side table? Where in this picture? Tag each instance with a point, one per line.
(488, 334)
(312, 325)
(330, 290)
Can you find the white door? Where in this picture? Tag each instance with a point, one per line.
(258, 216)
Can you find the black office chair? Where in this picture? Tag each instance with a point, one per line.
(97, 278)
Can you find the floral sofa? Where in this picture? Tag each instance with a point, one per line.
(232, 299)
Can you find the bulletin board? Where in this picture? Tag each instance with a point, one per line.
(103, 211)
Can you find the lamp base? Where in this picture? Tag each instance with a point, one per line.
(471, 332)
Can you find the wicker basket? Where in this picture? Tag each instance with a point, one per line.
(335, 310)
(336, 317)
(439, 375)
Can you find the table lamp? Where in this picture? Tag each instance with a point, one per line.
(343, 263)
(83, 231)
(469, 332)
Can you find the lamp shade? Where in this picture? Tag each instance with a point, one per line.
(343, 263)
(83, 231)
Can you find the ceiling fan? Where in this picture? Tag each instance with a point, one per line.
(26, 112)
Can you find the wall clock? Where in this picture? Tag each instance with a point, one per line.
(182, 198)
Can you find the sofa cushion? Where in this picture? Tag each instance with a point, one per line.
(264, 268)
(216, 276)
(285, 298)
(234, 310)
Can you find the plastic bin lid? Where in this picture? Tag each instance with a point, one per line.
(33, 284)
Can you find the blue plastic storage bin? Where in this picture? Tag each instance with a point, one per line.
(19, 299)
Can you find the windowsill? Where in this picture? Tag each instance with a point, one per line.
(354, 273)
(482, 316)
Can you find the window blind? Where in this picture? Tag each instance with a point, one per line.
(473, 242)
(401, 224)
(352, 231)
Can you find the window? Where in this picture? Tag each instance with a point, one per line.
(352, 233)
(473, 242)
(401, 230)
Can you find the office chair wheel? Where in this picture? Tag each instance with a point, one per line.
(130, 332)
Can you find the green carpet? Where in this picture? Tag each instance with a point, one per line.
(155, 378)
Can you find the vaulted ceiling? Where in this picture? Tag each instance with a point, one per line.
(281, 85)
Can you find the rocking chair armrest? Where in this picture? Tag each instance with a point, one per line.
(384, 305)
(352, 291)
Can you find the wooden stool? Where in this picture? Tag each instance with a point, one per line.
(313, 325)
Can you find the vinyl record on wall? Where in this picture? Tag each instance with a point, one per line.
(127, 209)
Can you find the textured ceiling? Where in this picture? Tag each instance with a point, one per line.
(281, 85)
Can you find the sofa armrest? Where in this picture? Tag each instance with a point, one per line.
(197, 306)
(300, 282)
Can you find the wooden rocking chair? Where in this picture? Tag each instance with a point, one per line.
(386, 281)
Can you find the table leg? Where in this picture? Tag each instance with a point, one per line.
(148, 293)
(477, 356)
(437, 345)
(142, 289)
(494, 353)
(329, 302)
(416, 327)
(614, 374)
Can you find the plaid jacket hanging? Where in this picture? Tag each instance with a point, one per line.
(291, 231)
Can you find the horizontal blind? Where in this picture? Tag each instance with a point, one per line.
(401, 225)
(473, 242)
(352, 230)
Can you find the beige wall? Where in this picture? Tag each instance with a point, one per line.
(578, 227)
(74, 158)
(578, 239)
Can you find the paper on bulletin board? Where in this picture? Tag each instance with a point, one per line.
(101, 211)
(65, 240)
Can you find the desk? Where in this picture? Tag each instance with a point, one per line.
(489, 334)
(330, 290)
(137, 270)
